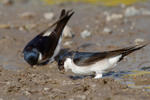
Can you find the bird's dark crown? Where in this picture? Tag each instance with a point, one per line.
(31, 56)
(61, 62)
(62, 59)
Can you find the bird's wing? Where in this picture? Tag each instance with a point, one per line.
(58, 25)
(56, 34)
(88, 58)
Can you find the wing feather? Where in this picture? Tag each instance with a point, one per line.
(87, 58)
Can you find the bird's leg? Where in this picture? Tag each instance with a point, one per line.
(98, 75)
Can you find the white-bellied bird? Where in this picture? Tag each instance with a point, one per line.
(97, 63)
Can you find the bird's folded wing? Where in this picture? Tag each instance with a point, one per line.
(88, 58)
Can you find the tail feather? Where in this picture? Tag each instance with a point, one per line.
(64, 18)
(60, 23)
(132, 49)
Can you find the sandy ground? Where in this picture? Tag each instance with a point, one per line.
(22, 20)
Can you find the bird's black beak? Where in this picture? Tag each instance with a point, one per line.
(61, 68)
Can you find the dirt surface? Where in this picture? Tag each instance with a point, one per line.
(21, 20)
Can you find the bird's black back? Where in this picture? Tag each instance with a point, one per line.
(88, 58)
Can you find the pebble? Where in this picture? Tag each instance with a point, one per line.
(68, 43)
(122, 30)
(107, 30)
(46, 89)
(27, 27)
(81, 97)
(67, 32)
(27, 15)
(85, 34)
(70, 99)
(122, 5)
(131, 11)
(113, 16)
(49, 15)
(144, 11)
(22, 28)
(138, 41)
(27, 93)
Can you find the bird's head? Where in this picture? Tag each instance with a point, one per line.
(61, 64)
(31, 56)
(64, 60)
(64, 64)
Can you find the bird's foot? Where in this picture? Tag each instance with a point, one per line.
(97, 76)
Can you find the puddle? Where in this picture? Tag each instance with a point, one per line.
(138, 79)
(103, 2)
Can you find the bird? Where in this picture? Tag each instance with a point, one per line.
(46, 46)
(94, 63)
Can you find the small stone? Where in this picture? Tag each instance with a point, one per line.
(138, 41)
(132, 27)
(82, 97)
(122, 30)
(131, 11)
(114, 17)
(107, 30)
(133, 24)
(68, 43)
(67, 32)
(87, 26)
(144, 11)
(27, 93)
(27, 15)
(27, 27)
(115, 26)
(46, 89)
(122, 5)
(85, 34)
(22, 28)
(49, 15)
(70, 99)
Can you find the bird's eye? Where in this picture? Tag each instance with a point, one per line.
(61, 63)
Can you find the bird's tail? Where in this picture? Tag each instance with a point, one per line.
(132, 49)
(60, 23)
(63, 19)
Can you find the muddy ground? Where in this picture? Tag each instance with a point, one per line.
(21, 20)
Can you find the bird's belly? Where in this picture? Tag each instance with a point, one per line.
(83, 71)
(103, 66)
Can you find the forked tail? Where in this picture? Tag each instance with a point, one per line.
(132, 49)
(61, 23)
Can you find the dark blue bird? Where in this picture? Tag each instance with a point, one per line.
(46, 46)
(97, 63)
